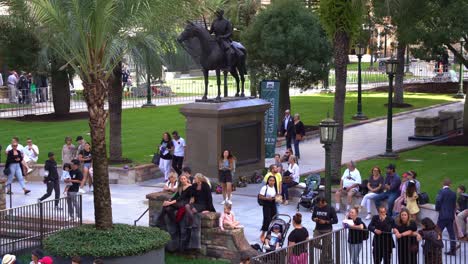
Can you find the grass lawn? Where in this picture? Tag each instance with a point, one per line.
(142, 128)
(431, 163)
(4, 106)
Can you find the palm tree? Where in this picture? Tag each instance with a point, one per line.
(342, 20)
(90, 35)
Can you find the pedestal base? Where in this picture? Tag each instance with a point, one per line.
(459, 96)
(389, 155)
(148, 106)
(359, 117)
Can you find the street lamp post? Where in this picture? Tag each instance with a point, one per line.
(148, 88)
(390, 67)
(360, 50)
(328, 128)
(460, 93)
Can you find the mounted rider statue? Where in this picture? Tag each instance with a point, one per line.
(222, 29)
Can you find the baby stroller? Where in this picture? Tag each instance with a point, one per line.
(310, 194)
(284, 222)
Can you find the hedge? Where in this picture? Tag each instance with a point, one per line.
(121, 240)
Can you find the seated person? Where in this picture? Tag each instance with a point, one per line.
(279, 163)
(462, 213)
(349, 185)
(171, 184)
(227, 219)
(274, 239)
(286, 155)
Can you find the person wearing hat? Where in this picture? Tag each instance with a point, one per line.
(274, 239)
(46, 260)
(391, 189)
(51, 179)
(36, 255)
(10, 259)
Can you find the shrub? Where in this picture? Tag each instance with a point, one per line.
(121, 240)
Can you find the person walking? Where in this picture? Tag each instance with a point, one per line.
(51, 180)
(290, 179)
(405, 232)
(324, 217)
(355, 234)
(179, 152)
(165, 155)
(382, 243)
(462, 213)
(267, 196)
(76, 177)
(31, 155)
(299, 234)
(287, 128)
(226, 167)
(374, 184)
(446, 201)
(391, 189)
(85, 157)
(299, 131)
(68, 151)
(14, 167)
(432, 242)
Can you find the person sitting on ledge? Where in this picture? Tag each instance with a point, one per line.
(227, 219)
(173, 205)
(171, 184)
(349, 185)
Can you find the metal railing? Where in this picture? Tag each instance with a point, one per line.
(26, 227)
(139, 218)
(335, 247)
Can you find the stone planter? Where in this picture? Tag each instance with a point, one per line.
(154, 256)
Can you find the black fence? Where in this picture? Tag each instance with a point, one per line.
(23, 228)
(334, 247)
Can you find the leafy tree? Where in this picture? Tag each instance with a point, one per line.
(286, 42)
(342, 20)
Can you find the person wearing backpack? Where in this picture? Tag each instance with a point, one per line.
(355, 234)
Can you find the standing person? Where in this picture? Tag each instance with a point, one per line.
(374, 185)
(433, 244)
(52, 180)
(36, 255)
(179, 152)
(23, 87)
(411, 200)
(392, 189)
(273, 171)
(287, 128)
(76, 177)
(355, 235)
(405, 232)
(267, 194)
(382, 243)
(298, 234)
(31, 155)
(125, 75)
(81, 142)
(12, 82)
(13, 163)
(85, 157)
(446, 205)
(299, 131)
(324, 217)
(462, 213)
(226, 167)
(68, 151)
(1, 79)
(165, 155)
(20, 147)
(291, 178)
(349, 185)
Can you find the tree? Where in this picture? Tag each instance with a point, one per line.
(286, 42)
(342, 20)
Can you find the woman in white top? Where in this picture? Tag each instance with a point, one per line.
(172, 184)
(290, 178)
(267, 195)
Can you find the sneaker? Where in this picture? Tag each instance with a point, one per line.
(267, 246)
(229, 201)
(286, 202)
(9, 192)
(369, 216)
(29, 171)
(26, 191)
(81, 190)
(223, 202)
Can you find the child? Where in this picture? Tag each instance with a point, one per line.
(274, 238)
(65, 176)
(411, 200)
(227, 219)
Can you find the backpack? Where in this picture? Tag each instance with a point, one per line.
(423, 198)
(363, 187)
(365, 232)
(219, 189)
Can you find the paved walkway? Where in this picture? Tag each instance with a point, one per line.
(128, 201)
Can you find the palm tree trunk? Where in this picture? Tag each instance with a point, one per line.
(400, 74)
(60, 89)
(115, 114)
(340, 53)
(95, 96)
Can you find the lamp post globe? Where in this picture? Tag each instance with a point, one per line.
(328, 129)
(360, 50)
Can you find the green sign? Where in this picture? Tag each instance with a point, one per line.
(270, 92)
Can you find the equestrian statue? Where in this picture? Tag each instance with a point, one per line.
(216, 52)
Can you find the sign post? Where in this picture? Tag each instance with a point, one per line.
(270, 92)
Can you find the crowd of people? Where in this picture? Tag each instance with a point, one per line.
(38, 257)
(26, 88)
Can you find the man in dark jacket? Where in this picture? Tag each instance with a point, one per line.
(287, 128)
(446, 203)
(324, 217)
(52, 180)
(392, 189)
(381, 225)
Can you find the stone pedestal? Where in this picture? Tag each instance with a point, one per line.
(427, 126)
(2, 195)
(237, 125)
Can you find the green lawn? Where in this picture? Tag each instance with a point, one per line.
(4, 106)
(431, 163)
(142, 128)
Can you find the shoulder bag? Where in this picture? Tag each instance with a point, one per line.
(260, 201)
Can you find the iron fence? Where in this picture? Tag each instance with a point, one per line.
(23, 228)
(335, 247)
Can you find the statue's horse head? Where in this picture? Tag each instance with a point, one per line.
(189, 32)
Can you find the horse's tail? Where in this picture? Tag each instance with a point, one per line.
(242, 62)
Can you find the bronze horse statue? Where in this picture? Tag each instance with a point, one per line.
(206, 51)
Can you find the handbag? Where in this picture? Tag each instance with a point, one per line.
(299, 137)
(156, 158)
(6, 171)
(423, 198)
(260, 201)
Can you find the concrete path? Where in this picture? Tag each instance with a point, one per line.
(128, 201)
